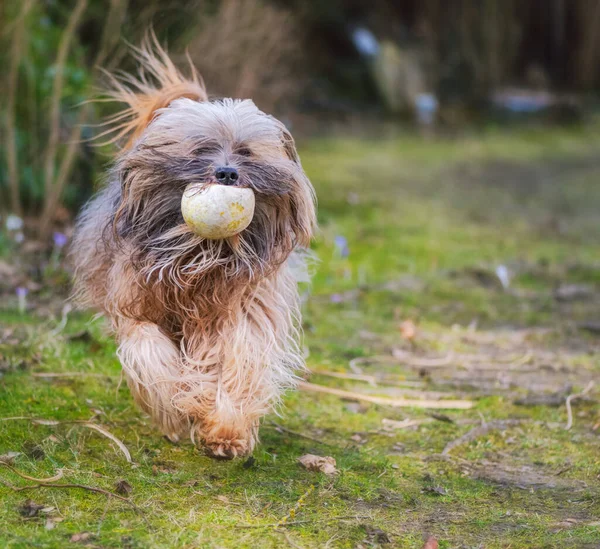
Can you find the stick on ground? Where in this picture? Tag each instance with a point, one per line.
(393, 402)
(570, 399)
(477, 432)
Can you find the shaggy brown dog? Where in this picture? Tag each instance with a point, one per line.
(208, 330)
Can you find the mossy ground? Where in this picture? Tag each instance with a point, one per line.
(426, 223)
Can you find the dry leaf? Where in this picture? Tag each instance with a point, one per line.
(82, 536)
(324, 464)
(224, 499)
(431, 543)
(408, 330)
(376, 536)
(9, 457)
(51, 522)
(123, 487)
(437, 490)
(30, 508)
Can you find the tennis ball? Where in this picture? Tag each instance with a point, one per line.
(217, 211)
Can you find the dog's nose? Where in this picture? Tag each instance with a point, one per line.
(226, 175)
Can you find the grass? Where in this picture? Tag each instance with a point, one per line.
(426, 223)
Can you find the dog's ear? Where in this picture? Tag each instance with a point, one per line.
(302, 198)
(289, 145)
(158, 83)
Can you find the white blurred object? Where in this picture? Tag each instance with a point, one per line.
(14, 223)
(400, 75)
(365, 42)
(426, 108)
(503, 276)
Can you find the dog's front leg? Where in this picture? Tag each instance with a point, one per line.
(225, 411)
(152, 366)
(253, 362)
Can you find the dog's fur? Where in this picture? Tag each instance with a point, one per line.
(208, 330)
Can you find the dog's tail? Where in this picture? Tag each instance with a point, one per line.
(157, 83)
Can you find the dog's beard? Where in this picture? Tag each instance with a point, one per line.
(148, 218)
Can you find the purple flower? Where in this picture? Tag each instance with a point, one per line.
(60, 240)
(336, 298)
(341, 246)
(22, 297)
(21, 291)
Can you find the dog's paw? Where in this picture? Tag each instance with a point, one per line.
(227, 449)
(225, 439)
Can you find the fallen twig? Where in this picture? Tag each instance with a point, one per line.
(71, 486)
(307, 521)
(355, 362)
(395, 403)
(477, 432)
(94, 489)
(297, 434)
(570, 399)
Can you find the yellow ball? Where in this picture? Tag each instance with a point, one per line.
(217, 211)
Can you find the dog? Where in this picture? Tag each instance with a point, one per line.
(208, 331)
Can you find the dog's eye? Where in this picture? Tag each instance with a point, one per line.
(244, 151)
(204, 149)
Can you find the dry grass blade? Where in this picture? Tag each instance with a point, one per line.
(54, 111)
(69, 374)
(282, 429)
(421, 362)
(392, 424)
(110, 36)
(54, 478)
(300, 503)
(84, 423)
(112, 437)
(307, 521)
(16, 51)
(570, 399)
(43, 421)
(372, 380)
(394, 403)
(480, 431)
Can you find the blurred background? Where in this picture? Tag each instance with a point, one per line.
(430, 72)
(454, 148)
